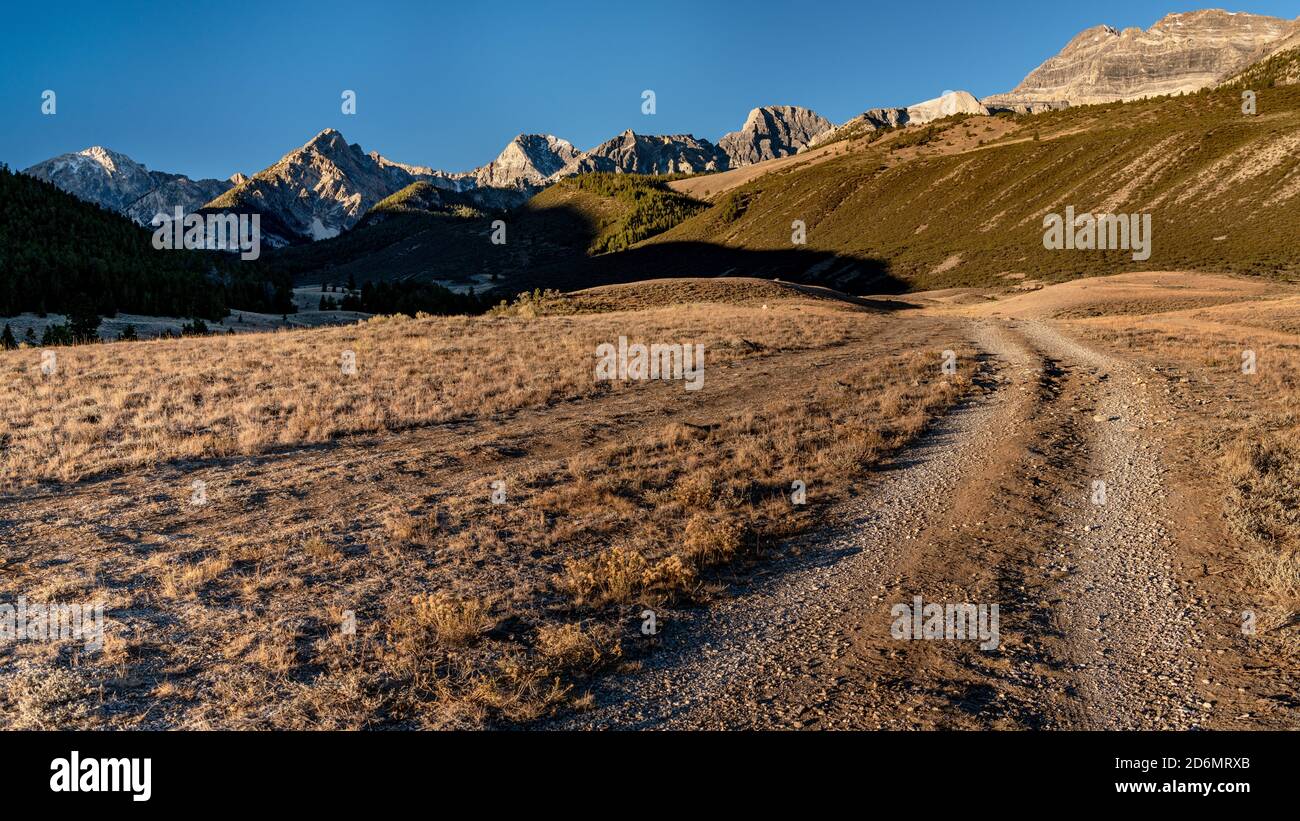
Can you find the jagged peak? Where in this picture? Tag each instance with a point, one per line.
(99, 150)
(109, 159)
(414, 170)
(527, 143)
(327, 141)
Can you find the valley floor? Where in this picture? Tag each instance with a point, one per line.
(364, 574)
(306, 299)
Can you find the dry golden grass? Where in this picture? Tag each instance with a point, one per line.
(1248, 423)
(47, 699)
(406, 530)
(570, 646)
(1264, 509)
(451, 621)
(319, 548)
(619, 497)
(187, 579)
(640, 296)
(118, 406)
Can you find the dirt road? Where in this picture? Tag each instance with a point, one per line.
(1047, 498)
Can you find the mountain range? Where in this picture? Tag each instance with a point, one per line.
(121, 184)
(327, 186)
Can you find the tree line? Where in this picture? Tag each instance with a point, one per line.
(59, 254)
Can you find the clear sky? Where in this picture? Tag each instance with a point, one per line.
(210, 88)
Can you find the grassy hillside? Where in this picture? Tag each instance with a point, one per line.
(422, 197)
(425, 234)
(58, 253)
(644, 207)
(1281, 69)
(622, 495)
(1222, 189)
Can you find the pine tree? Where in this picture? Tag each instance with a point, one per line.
(196, 327)
(7, 340)
(84, 321)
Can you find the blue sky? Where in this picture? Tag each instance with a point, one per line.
(208, 89)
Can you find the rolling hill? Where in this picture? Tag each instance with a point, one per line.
(943, 209)
(427, 234)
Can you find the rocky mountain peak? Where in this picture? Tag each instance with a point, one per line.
(115, 181)
(773, 131)
(527, 160)
(946, 105)
(108, 159)
(1182, 52)
(877, 119)
(632, 153)
(327, 138)
(332, 144)
(320, 189)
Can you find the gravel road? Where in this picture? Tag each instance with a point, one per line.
(766, 658)
(1126, 624)
(787, 650)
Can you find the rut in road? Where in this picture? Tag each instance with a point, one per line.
(993, 506)
(1128, 629)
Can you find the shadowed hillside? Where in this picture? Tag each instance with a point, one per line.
(427, 234)
(58, 252)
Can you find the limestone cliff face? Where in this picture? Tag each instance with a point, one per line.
(1277, 64)
(771, 132)
(954, 102)
(876, 119)
(1180, 53)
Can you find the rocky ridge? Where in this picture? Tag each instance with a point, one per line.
(117, 182)
(877, 119)
(632, 153)
(1181, 53)
(773, 131)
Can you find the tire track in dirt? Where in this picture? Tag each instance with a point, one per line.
(770, 657)
(993, 506)
(1122, 610)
